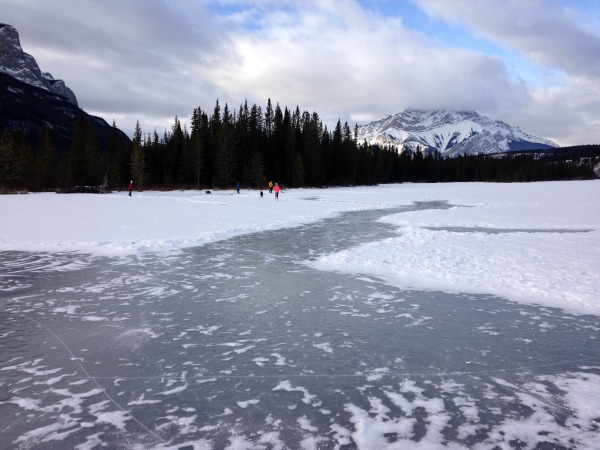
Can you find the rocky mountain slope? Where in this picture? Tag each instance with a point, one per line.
(31, 100)
(22, 66)
(451, 133)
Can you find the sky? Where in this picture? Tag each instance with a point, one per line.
(531, 63)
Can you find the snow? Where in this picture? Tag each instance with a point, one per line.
(208, 375)
(531, 243)
(437, 129)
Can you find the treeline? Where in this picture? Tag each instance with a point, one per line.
(506, 167)
(32, 162)
(252, 146)
(294, 148)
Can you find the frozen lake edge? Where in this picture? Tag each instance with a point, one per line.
(293, 358)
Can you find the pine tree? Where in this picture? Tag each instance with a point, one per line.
(187, 166)
(83, 162)
(336, 162)
(137, 163)
(349, 156)
(197, 146)
(8, 161)
(117, 155)
(257, 169)
(154, 150)
(269, 119)
(45, 163)
(299, 176)
(215, 120)
(225, 158)
(174, 153)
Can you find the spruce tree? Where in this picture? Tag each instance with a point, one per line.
(257, 169)
(117, 155)
(45, 163)
(225, 159)
(83, 164)
(197, 146)
(312, 151)
(298, 176)
(269, 119)
(137, 163)
(8, 161)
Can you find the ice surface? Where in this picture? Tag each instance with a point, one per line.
(426, 316)
(532, 242)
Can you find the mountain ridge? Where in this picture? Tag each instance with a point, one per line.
(32, 100)
(449, 133)
(22, 66)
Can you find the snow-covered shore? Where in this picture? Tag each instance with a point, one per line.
(532, 243)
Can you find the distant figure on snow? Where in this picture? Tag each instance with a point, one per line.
(276, 189)
(237, 187)
(130, 187)
(270, 187)
(261, 194)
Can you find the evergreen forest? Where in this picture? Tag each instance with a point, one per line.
(253, 146)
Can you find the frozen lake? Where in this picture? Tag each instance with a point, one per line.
(240, 344)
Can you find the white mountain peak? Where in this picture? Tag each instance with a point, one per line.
(450, 133)
(22, 66)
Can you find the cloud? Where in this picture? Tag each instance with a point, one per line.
(568, 114)
(137, 57)
(565, 104)
(357, 61)
(151, 60)
(546, 33)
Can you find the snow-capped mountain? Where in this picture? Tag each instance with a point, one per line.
(451, 133)
(22, 66)
(32, 101)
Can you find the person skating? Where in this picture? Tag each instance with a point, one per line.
(130, 187)
(276, 189)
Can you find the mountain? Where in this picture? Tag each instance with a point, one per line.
(31, 100)
(451, 133)
(31, 109)
(22, 66)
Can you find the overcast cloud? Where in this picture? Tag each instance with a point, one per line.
(531, 63)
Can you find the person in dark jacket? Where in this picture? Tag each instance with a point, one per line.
(130, 187)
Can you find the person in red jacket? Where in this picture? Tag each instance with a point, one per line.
(130, 187)
(276, 189)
